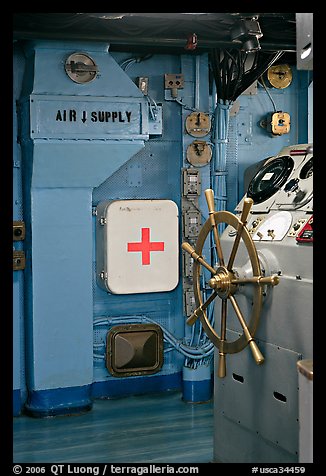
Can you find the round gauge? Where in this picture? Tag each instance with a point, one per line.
(81, 68)
(270, 178)
(307, 170)
(279, 76)
(274, 228)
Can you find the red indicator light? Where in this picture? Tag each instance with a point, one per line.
(306, 235)
(298, 152)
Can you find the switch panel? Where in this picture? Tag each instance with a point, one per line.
(191, 182)
(297, 226)
(278, 123)
(192, 223)
(155, 120)
(18, 231)
(142, 83)
(190, 303)
(173, 81)
(18, 260)
(188, 265)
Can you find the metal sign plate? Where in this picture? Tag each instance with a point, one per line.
(79, 117)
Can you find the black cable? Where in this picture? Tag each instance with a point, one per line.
(232, 70)
(252, 75)
(229, 73)
(236, 81)
(215, 66)
(224, 77)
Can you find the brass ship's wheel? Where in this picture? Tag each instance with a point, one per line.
(225, 282)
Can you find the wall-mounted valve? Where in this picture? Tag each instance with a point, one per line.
(198, 124)
(81, 68)
(199, 153)
(277, 123)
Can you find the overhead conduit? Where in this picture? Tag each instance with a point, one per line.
(231, 79)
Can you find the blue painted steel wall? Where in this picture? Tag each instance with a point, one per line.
(153, 173)
(19, 387)
(254, 143)
(59, 175)
(65, 177)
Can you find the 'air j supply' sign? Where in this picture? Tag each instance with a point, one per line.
(80, 117)
(137, 246)
(71, 115)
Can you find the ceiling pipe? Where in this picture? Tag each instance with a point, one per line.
(152, 42)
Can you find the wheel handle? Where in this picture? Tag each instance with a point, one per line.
(224, 282)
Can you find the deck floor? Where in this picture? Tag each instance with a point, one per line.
(158, 428)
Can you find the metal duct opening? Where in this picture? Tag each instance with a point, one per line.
(135, 349)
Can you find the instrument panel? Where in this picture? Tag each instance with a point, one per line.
(284, 182)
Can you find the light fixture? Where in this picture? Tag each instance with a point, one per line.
(247, 32)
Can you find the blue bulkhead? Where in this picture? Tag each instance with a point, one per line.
(68, 159)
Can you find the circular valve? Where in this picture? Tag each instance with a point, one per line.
(225, 282)
(279, 76)
(198, 124)
(81, 68)
(199, 153)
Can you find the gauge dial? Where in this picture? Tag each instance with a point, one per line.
(270, 178)
(307, 169)
(274, 228)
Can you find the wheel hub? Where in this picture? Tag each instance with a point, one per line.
(221, 282)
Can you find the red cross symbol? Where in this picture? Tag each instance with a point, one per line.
(145, 246)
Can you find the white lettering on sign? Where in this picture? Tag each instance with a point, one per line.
(71, 115)
(145, 246)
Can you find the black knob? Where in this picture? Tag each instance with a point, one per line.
(292, 185)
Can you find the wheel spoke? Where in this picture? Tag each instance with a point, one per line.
(272, 280)
(189, 249)
(209, 194)
(247, 204)
(199, 311)
(221, 371)
(258, 356)
(223, 319)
